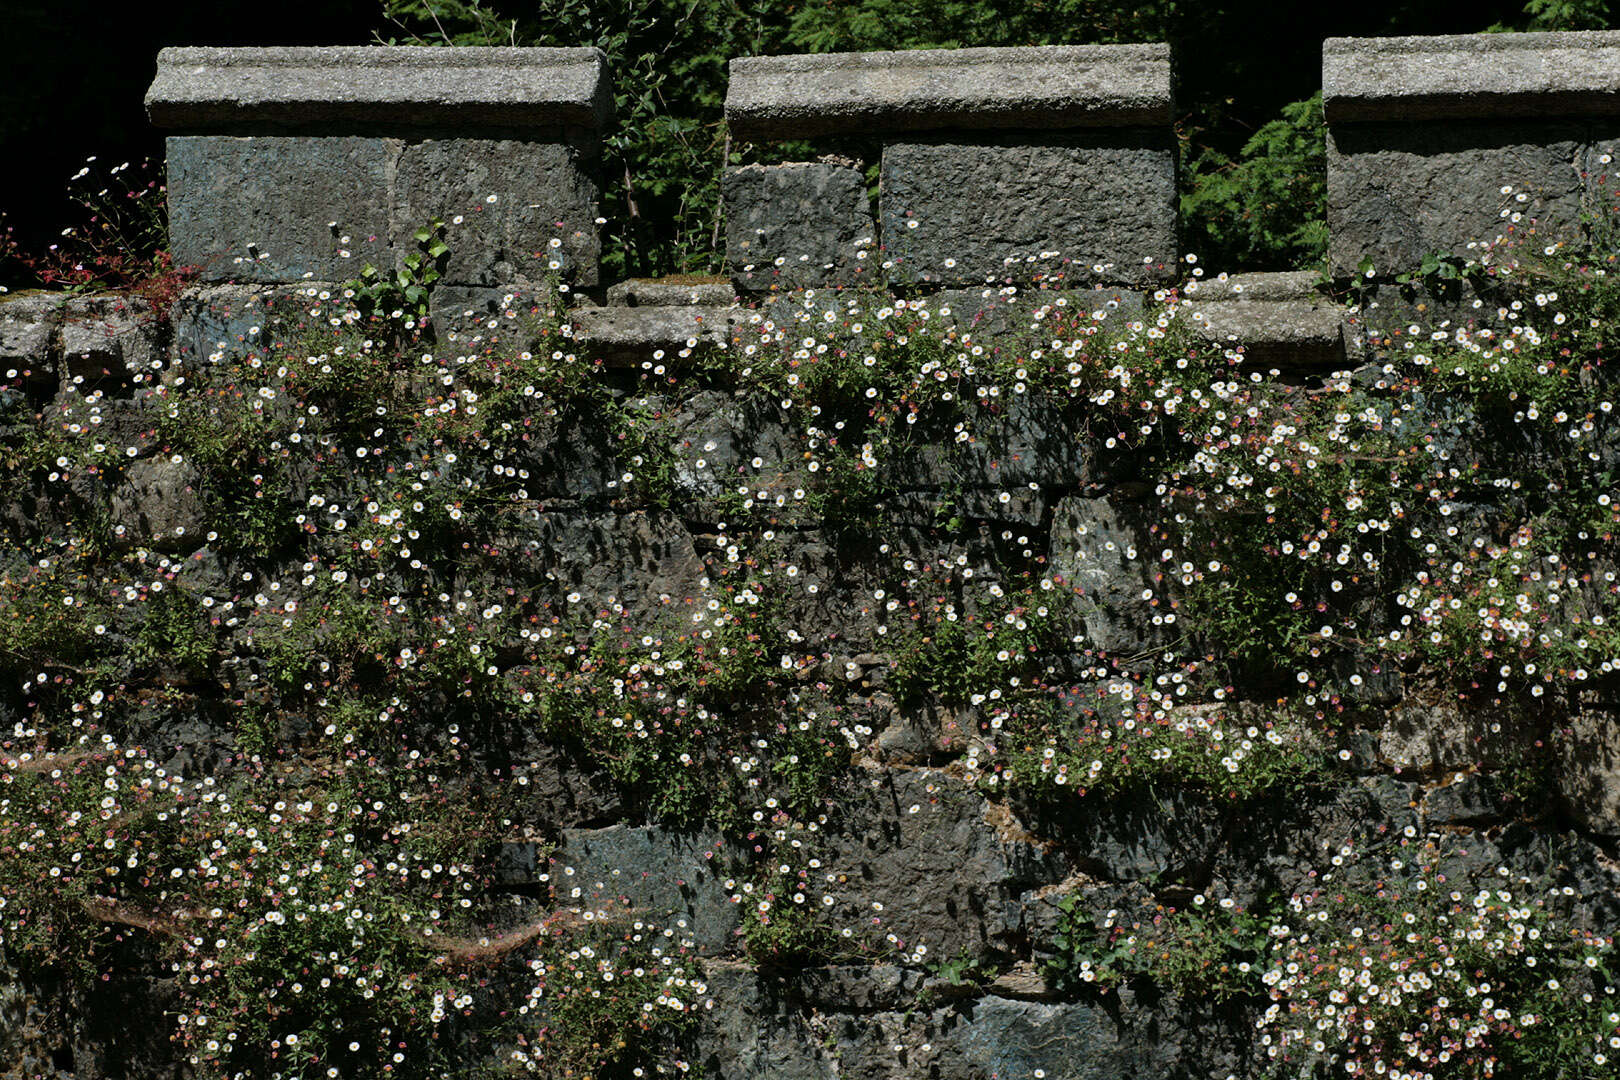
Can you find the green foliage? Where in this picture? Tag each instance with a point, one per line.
(965, 969)
(949, 654)
(1267, 210)
(588, 1033)
(780, 924)
(1495, 414)
(48, 616)
(1203, 952)
(177, 633)
(1559, 15)
(409, 287)
(1438, 268)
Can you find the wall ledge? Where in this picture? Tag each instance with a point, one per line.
(1471, 76)
(307, 88)
(1079, 86)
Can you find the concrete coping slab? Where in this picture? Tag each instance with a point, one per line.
(1467, 76)
(1056, 86)
(214, 90)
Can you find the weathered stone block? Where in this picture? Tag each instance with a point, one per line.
(283, 161)
(106, 340)
(1398, 192)
(463, 311)
(28, 326)
(505, 201)
(1101, 549)
(985, 312)
(1028, 443)
(1268, 286)
(1450, 737)
(791, 97)
(565, 792)
(488, 313)
(799, 225)
(947, 867)
(752, 1032)
(1464, 800)
(716, 437)
(646, 872)
(683, 290)
(959, 213)
(275, 208)
(220, 323)
(159, 505)
(1022, 1038)
(1588, 755)
(639, 560)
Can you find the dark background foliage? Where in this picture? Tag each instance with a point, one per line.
(1251, 148)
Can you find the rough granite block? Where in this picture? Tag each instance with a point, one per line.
(542, 191)
(800, 225)
(260, 208)
(655, 874)
(1398, 192)
(1095, 543)
(215, 324)
(958, 213)
(29, 324)
(1601, 169)
(1039, 87)
(1425, 132)
(108, 339)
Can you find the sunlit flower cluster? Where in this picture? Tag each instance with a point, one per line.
(1420, 972)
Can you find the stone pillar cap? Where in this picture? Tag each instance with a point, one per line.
(1466, 76)
(1055, 86)
(261, 90)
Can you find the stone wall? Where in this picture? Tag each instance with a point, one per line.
(921, 856)
(903, 615)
